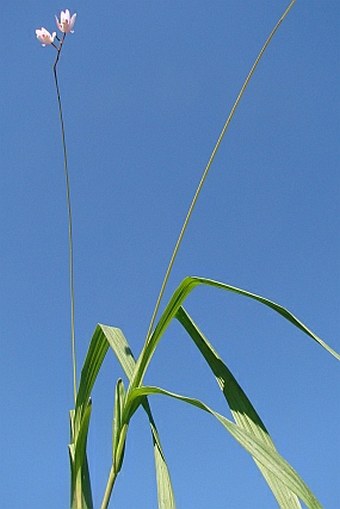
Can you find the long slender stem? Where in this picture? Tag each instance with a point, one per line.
(69, 213)
(207, 169)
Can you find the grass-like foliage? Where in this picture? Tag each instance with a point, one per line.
(246, 427)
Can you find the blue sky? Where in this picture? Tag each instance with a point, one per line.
(146, 88)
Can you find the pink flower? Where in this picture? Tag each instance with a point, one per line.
(44, 36)
(66, 22)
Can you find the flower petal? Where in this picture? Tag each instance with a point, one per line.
(73, 20)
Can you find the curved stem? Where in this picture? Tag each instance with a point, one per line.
(208, 166)
(69, 213)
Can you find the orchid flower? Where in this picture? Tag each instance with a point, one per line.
(66, 22)
(44, 36)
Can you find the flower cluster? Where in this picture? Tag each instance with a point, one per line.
(65, 25)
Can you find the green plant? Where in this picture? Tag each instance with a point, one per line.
(247, 428)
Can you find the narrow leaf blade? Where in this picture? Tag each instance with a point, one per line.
(241, 408)
(264, 454)
(178, 297)
(121, 348)
(189, 283)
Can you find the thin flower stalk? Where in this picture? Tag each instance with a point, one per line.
(69, 213)
(65, 24)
